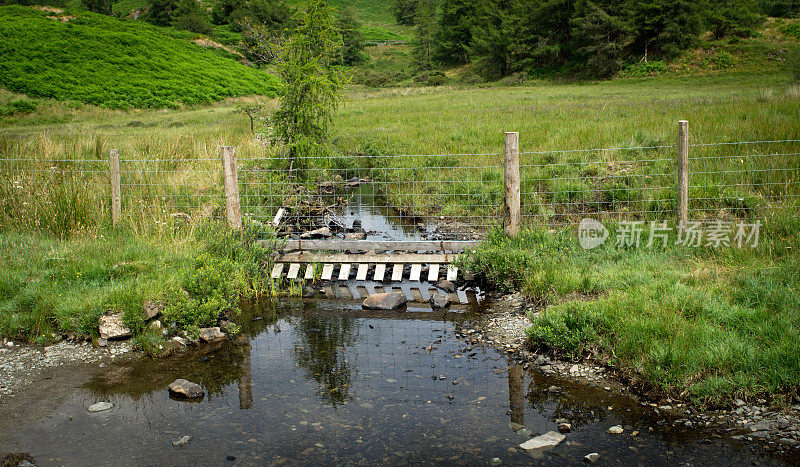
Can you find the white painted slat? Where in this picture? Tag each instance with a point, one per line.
(380, 271)
(416, 270)
(344, 272)
(327, 272)
(361, 275)
(294, 270)
(433, 273)
(462, 297)
(452, 273)
(397, 273)
(277, 270)
(309, 272)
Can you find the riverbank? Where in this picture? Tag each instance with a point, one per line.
(504, 327)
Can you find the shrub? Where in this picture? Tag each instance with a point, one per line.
(793, 62)
(22, 106)
(651, 68)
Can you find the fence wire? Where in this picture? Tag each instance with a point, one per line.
(424, 196)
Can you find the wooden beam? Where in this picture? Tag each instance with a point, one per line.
(367, 245)
(377, 259)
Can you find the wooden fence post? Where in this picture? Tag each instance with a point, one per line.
(683, 172)
(233, 210)
(116, 187)
(511, 201)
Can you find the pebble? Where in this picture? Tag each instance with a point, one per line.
(616, 429)
(182, 441)
(591, 457)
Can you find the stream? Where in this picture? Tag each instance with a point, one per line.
(321, 381)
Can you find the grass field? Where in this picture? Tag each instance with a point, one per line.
(116, 63)
(706, 324)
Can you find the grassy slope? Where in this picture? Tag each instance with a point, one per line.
(116, 63)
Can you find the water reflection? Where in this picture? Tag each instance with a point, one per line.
(321, 349)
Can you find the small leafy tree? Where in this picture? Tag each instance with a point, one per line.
(161, 12)
(306, 58)
(97, 6)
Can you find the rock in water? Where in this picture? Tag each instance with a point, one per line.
(439, 301)
(100, 406)
(324, 232)
(211, 334)
(113, 327)
(355, 236)
(183, 441)
(547, 440)
(616, 429)
(385, 301)
(446, 285)
(564, 427)
(186, 389)
(591, 458)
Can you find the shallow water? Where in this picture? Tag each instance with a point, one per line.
(321, 382)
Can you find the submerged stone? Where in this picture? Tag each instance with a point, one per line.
(547, 440)
(214, 334)
(100, 406)
(385, 301)
(186, 389)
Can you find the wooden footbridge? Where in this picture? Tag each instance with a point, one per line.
(367, 260)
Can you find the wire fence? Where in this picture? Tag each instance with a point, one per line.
(425, 196)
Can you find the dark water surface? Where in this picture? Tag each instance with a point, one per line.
(322, 382)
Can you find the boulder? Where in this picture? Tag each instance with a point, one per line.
(323, 232)
(564, 427)
(355, 236)
(186, 389)
(439, 301)
(214, 334)
(446, 286)
(385, 301)
(547, 440)
(113, 327)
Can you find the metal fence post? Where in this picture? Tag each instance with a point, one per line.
(116, 187)
(233, 210)
(683, 172)
(511, 201)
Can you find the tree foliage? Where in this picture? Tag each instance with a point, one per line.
(352, 40)
(405, 11)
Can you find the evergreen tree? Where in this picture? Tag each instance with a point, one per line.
(97, 6)
(493, 38)
(543, 35)
(454, 36)
(405, 11)
(425, 40)
(161, 12)
(598, 36)
(352, 40)
(733, 18)
(664, 27)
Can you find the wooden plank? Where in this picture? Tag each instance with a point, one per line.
(361, 275)
(397, 273)
(452, 273)
(683, 172)
(309, 272)
(327, 272)
(433, 273)
(277, 270)
(344, 272)
(306, 257)
(278, 217)
(294, 270)
(416, 270)
(380, 271)
(391, 245)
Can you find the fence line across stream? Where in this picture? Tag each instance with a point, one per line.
(428, 196)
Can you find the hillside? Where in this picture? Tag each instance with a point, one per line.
(115, 63)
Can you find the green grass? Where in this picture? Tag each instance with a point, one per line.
(116, 63)
(710, 325)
